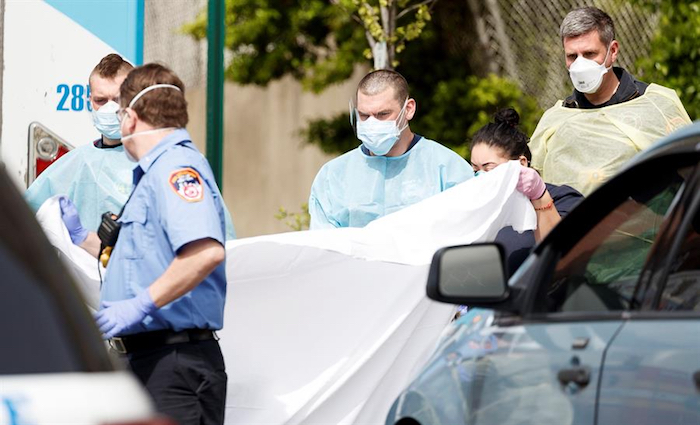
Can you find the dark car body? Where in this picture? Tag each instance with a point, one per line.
(54, 365)
(600, 325)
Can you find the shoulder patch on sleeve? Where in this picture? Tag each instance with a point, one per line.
(187, 183)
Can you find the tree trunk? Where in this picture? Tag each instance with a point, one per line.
(488, 65)
(511, 69)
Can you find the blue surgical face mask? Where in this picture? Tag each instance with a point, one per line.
(380, 136)
(106, 122)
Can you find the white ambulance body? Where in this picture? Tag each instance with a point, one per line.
(49, 48)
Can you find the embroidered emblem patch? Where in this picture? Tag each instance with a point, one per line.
(187, 183)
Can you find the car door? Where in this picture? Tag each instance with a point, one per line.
(584, 282)
(651, 373)
(538, 360)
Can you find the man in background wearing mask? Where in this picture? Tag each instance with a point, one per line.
(97, 176)
(392, 168)
(582, 141)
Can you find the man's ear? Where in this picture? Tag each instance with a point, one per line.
(410, 109)
(131, 118)
(614, 50)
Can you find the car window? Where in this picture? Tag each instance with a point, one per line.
(682, 290)
(601, 270)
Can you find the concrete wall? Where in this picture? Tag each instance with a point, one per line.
(266, 164)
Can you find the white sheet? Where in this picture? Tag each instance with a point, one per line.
(81, 265)
(329, 326)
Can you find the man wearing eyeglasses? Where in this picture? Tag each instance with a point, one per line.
(96, 177)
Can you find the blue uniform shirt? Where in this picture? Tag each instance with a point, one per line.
(175, 201)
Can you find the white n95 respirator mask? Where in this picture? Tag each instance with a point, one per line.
(587, 75)
(380, 136)
(106, 122)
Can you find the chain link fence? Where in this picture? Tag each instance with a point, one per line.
(523, 36)
(165, 43)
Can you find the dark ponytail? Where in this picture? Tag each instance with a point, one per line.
(503, 133)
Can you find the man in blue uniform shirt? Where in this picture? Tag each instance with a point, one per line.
(392, 168)
(165, 285)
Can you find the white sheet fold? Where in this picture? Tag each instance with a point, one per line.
(329, 326)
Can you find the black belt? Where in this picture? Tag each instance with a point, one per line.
(149, 340)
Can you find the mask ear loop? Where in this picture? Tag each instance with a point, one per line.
(402, 114)
(606, 57)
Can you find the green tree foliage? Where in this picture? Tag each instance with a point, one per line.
(461, 106)
(312, 40)
(443, 68)
(319, 42)
(675, 51)
(332, 136)
(295, 220)
(386, 34)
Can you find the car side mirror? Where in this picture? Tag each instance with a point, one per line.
(469, 275)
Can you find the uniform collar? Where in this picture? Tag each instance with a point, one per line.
(100, 144)
(166, 143)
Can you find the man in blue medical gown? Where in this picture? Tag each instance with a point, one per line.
(96, 176)
(392, 168)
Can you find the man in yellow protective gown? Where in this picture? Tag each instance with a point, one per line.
(582, 141)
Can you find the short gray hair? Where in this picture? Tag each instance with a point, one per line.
(377, 81)
(586, 19)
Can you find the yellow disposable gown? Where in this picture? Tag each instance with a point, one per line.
(583, 148)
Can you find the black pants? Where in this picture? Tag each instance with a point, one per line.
(187, 381)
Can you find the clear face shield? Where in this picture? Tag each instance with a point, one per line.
(354, 115)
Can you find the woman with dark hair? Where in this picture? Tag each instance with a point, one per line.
(500, 142)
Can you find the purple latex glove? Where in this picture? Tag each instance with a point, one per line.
(70, 217)
(530, 183)
(117, 316)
